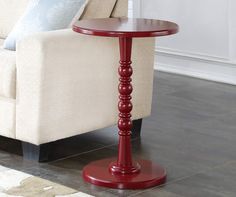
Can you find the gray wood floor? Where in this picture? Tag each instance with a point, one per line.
(192, 132)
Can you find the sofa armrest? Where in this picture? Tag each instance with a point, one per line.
(67, 84)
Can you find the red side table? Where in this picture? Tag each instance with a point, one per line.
(123, 172)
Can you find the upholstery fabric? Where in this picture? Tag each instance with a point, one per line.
(7, 117)
(7, 89)
(43, 15)
(1, 42)
(79, 14)
(10, 12)
(67, 86)
(7, 73)
(98, 9)
(121, 9)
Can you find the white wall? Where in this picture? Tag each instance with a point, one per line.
(205, 47)
(130, 10)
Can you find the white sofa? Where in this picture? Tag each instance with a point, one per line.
(60, 84)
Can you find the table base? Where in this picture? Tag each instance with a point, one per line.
(150, 175)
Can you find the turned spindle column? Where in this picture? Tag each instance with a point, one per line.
(124, 164)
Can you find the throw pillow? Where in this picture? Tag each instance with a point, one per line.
(44, 15)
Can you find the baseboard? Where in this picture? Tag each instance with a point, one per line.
(206, 68)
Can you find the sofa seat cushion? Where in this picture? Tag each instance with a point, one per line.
(7, 73)
(7, 117)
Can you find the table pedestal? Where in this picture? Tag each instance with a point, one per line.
(123, 172)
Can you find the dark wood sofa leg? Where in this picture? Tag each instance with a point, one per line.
(37, 153)
(136, 130)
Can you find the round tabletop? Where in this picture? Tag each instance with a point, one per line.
(125, 27)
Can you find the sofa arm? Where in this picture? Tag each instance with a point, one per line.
(67, 84)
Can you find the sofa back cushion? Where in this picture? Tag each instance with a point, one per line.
(121, 9)
(10, 12)
(98, 9)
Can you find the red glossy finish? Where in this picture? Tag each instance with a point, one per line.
(150, 175)
(124, 164)
(123, 172)
(125, 27)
